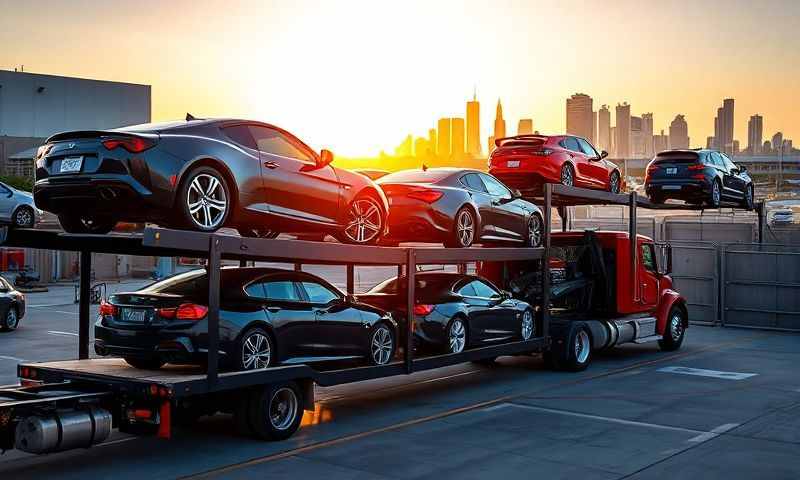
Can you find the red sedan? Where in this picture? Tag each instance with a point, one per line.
(527, 162)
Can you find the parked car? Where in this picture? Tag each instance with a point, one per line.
(458, 206)
(373, 174)
(454, 312)
(12, 306)
(699, 176)
(783, 216)
(203, 175)
(17, 207)
(267, 317)
(527, 162)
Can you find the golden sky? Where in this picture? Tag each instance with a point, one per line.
(357, 76)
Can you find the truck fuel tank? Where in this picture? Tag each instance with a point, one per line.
(63, 430)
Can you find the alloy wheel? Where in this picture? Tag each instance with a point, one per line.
(382, 346)
(567, 178)
(614, 183)
(207, 201)
(364, 221)
(534, 231)
(465, 228)
(24, 217)
(676, 326)
(582, 346)
(256, 352)
(715, 194)
(748, 197)
(283, 407)
(11, 319)
(457, 336)
(527, 325)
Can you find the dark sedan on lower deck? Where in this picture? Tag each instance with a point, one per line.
(454, 312)
(458, 207)
(267, 317)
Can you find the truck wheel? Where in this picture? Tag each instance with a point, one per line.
(573, 353)
(276, 411)
(674, 331)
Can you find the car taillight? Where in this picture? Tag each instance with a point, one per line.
(699, 176)
(422, 310)
(426, 195)
(131, 144)
(108, 309)
(652, 168)
(43, 150)
(187, 311)
(696, 166)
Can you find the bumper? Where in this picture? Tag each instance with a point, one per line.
(102, 193)
(418, 224)
(680, 189)
(176, 347)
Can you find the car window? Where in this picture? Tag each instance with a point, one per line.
(274, 142)
(4, 285)
(729, 165)
(494, 187)
(717, 160)
(483, 289)
(241, 135)
(473, 182)
(318, 293)
(587, 148)
(570, 143)
(648, 257)
(283, 290)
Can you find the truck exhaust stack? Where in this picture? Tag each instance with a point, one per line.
(63, 431)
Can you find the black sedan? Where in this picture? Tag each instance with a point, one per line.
(267, 317)
(458, 206)
(699, 177)
(454, 312)
(203, 175)
(12, 306)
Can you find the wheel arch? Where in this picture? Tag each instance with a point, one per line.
(670, 298)
(267, 327)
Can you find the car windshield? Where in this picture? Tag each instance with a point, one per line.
(180, 284)
(676, 157)
(431, 283)
(416, 176)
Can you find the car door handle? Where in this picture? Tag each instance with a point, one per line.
(271, 164)
(274, 309)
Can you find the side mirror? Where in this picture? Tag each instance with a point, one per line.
(603, 155)
(516, 194)
(325, 158)
(506, 295)
(742, 168)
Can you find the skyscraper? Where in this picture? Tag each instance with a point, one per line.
(660, 143)
(755, 134)
(525, 126)
(457, 138)
(604, 128)
(678, 133)
(443, 138)
(723, 126)
(647, 134)
(579, 116)
(623, 131)
(499, 126)
(474, 126)
(777, 142)
(637, 138)
(432, 140)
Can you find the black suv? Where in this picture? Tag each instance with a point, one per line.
(699, 177)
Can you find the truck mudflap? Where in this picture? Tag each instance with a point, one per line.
(669, 298)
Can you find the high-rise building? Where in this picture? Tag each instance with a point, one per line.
(422, 148)
(406, 147)
(777, 142)
(612, 141)
(432, 139)
(457, 138)
(474, 126)
(660, 143)
(637, 138)
(723, 126)
(711, 143)
(579, 116)
(735, 150)
(525, 126)
(604, 128)
(594, 128)
(755, 134)
(443, 138)
(623, 131)
(678, 133)
(499, 126)
(647, 133)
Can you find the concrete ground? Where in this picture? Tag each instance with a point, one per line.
(635, 413)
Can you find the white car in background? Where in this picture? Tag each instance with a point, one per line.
(17, 207)
(784, 216)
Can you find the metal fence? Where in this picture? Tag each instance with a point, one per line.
(761, 286)
(695, 273)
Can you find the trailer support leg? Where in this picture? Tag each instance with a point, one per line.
(760, 212)
(351, 281)
(411, 269)
(548, 218)
(213, 310)
(83, 306)
(632, 236)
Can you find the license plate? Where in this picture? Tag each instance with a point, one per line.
(671, 187)
(71, 164)
(512, 164)
(672, 170)
(133, 315)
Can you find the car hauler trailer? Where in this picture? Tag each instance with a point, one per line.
(70, 404)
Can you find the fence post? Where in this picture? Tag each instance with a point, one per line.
(721, 258)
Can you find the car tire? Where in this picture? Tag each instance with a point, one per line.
(464, 231)
(84, 224)
(527, 325)
(145, 363)
(10, 320)
(24, 217)
(276, 411)
(567, 176)
(535, 231)
(253, 346)
(748, 201)
(715, 196)
(360, 227)
(674, 330)
(382, 344)
(614, 182)
(573, 352)
(456, 335)
(204, 189)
